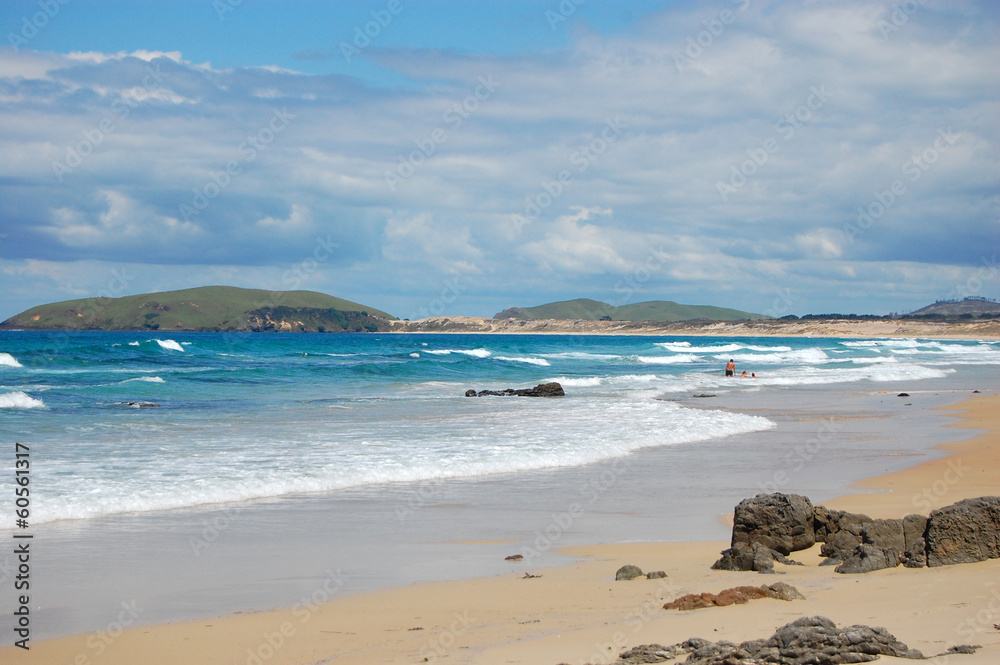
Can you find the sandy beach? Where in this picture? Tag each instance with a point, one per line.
(579, 614)
(847, 328)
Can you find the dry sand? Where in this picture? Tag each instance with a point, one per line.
(579, 614)
(858, 328)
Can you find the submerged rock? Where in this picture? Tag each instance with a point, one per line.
(552, 389)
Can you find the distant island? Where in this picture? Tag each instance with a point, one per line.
(207, 309)
(232, 309)
(583, 309)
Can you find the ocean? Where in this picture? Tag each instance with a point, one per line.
(361, 452)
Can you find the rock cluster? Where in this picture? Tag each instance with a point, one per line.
(807, 641)
(552, 389)
(735, 596)
(771, 526)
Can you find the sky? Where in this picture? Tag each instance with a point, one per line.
(460, 158)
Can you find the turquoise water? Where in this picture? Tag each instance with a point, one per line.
(243, 416)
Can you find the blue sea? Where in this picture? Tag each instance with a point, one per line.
(239, 417)
(201, 474)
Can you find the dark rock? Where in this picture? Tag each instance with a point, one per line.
(703, 395)
(743, 557)
(867, 557)
(552, 389)
(781, 522)
(840, 546)
(964, 648)
(513, 557)
(915, 549)
(628, 572)
(964, 532)
(656, 575)
(784, 591)
(142, 405)
(884, 533)
(903, 395)
(807, 641)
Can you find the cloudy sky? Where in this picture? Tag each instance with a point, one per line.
(463, 157)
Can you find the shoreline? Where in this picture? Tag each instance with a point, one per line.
(572, 613)
(843, 328)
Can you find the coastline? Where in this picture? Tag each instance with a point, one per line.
(573, 613)
(845, 328)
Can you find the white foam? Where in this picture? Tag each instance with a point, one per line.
(147, 379)
(475, 353)
(133, 343)
(809, 356)
(576, 382)
(19, 400)
(687, 347)
(580, 355)
(664, 360)
(170, 344)
(7, 360)
(414, 355)
(448, 445)
(525, 359)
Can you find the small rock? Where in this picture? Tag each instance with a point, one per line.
(964, 648)
(656, 575)
(513, 557)
(903, 395)
(628, 572)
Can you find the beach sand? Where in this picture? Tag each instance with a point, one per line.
(579, 614)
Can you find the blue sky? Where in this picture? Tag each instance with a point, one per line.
(466, 157)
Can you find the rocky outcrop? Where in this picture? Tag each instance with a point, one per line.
(770, 526)
(807, 641)
(755, 557)
(735, 596)
(552, 389)
(964, 532)
(781, 522)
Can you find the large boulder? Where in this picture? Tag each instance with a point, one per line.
(781, 522)
(964, 532)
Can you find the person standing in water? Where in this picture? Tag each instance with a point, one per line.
(730, 368)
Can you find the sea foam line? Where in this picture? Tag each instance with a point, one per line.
(8, 360)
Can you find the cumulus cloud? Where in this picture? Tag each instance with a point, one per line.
(763, 159)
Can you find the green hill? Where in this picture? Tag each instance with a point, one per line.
(207, 308)
(653, 310)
